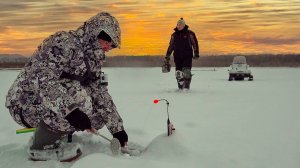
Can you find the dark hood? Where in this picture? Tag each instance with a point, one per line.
(88, 32)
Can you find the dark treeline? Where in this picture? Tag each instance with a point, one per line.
(266, 60)
(12, 61)
(263, 60)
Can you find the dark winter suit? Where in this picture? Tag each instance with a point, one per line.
(185, 46)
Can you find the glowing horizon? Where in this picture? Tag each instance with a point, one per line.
(221, 26)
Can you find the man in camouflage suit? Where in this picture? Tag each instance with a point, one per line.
(185, 46)
(60, 91)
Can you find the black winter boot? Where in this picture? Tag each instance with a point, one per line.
(187, 83)
(48, 145)
(180, 79)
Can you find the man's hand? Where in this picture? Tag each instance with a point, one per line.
(196, 56)
(122, 137)
(79, 120)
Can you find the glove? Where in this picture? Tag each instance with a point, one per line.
(196, 56)
(79, 120)
(122, 137)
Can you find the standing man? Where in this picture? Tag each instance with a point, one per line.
(185, 46)
(61, 89)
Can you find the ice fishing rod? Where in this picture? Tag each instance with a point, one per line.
(115, 145)
(170, 126)
(26, 130)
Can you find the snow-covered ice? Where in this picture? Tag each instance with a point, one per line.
(238, 124)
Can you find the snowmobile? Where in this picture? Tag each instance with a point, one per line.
(239, 69)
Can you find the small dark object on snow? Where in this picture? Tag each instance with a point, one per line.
(166, 67)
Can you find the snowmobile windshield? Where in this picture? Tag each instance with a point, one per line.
(239, 60)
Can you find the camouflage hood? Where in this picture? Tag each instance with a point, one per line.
(89, 31)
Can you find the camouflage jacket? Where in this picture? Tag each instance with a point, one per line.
(62, 63)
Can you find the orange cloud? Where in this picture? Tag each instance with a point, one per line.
(15, 41)
(222, 26)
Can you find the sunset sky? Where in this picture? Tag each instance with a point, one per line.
(221, 26)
